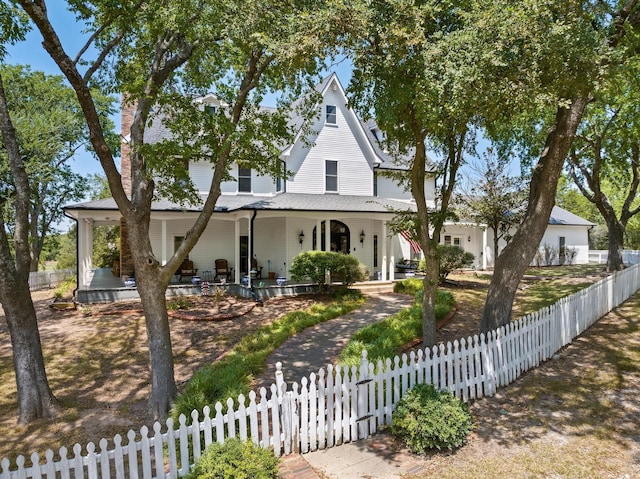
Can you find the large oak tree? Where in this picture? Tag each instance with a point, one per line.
(589, 39)
(158, 54)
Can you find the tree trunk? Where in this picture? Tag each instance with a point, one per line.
(616, 244)
(496, 248)
(519, 252)
(152, 281)
(430, 287)
(163, 384)
(35, 399)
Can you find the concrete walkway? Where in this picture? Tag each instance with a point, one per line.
(313, 349)
(319, 345)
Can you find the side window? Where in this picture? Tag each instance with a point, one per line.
(280, 179)
(331, 116)
(244, 180)
(375, 183)
(331, 175)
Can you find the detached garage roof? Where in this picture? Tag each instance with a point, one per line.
(563, 217)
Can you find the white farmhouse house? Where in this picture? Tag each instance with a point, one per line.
(335, 200)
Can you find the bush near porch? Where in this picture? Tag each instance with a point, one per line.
(315, 265)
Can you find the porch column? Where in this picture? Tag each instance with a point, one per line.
(165, 253)
(392, 261)
(236, 251)
(484, 248)
(85, 252)
(250, 252)
(318, 235)
(327, 235)
(383, 264)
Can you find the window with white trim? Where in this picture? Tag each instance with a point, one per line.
(244, 180)
(331, 115)
(331, 175)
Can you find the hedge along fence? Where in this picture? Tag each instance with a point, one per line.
(340, 405)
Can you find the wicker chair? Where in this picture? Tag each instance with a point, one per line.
(187, 270)
(223, 270)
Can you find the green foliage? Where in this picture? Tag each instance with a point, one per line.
(428, 419)
(383, 340)
(178, 303)
(50, 128)
(235, 460)
(452, 257)
(66, 288)
(67, 252)
(315, 265)
(408, 286)
(231, 375)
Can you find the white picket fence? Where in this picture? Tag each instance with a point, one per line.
(599, 256)
(48, 279)
(339, 405)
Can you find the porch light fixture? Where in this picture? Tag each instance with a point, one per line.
(362, 237)
(469, 239)
(301, 236)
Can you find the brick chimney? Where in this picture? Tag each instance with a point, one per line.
(128, 110)
(127, 113)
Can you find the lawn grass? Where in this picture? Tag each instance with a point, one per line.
(232, 375)
(384, 339)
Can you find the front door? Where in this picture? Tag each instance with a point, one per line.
(340, 237)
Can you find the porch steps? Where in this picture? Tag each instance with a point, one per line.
(375, 287)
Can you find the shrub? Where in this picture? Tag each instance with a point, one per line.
(316, 264)
(408, 286)
(235, 460)
(452, 257)
(426, 419)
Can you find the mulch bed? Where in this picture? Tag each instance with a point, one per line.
(192, 308)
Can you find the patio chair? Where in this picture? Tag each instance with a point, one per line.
(223, 270)
(187, 270)
(256, 268)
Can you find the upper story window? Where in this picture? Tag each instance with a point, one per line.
(332, 115)
(210, 109)
(331, 175)
(244, 180)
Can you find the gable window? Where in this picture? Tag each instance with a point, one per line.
(332, 116)
(244, 180)
(331, 175)
(210, 110)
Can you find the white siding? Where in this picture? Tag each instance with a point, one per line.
(341, 142)
(268, 244)
(201, 174)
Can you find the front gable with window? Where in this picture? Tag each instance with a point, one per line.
(338, 158)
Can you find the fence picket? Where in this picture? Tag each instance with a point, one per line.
(323, 425)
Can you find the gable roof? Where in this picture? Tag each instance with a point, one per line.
(560, 216)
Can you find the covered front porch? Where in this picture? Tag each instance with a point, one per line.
(105, 287)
